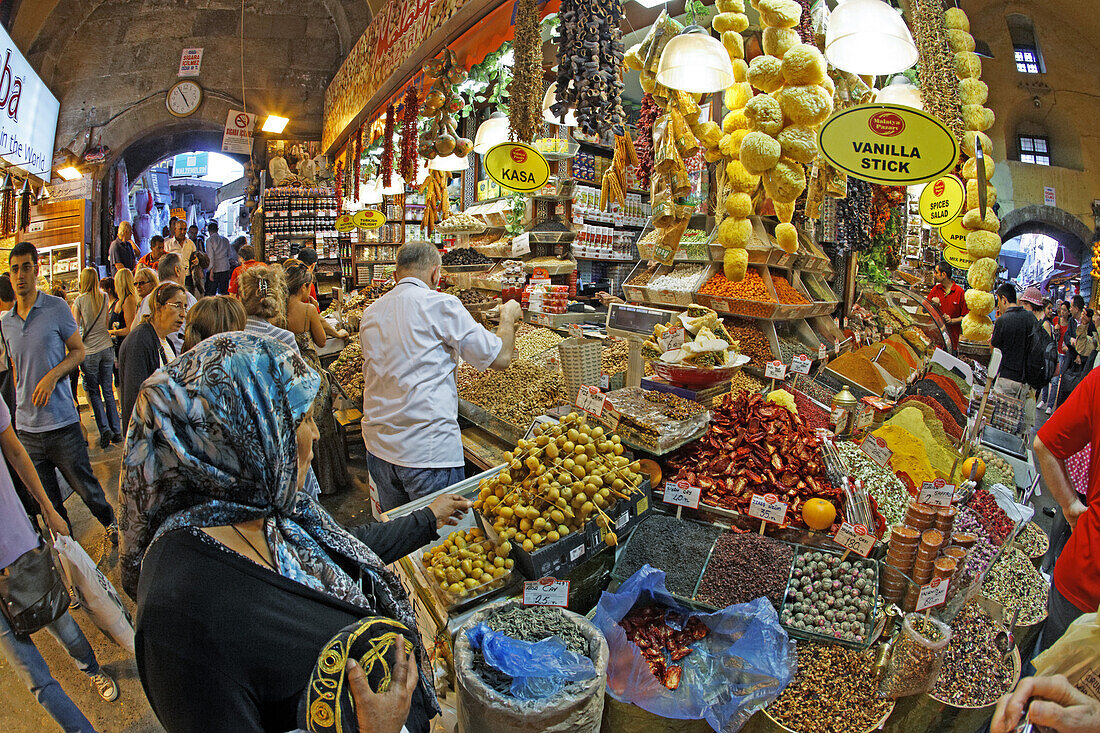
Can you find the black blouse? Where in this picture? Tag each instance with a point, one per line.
(224, 644)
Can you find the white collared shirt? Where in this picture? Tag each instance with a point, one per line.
(413, 338)
(183, 249)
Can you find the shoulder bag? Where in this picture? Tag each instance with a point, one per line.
(32, 592)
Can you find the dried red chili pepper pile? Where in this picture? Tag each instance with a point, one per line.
(654, 630)
(357, 161)
(387, 147)
(994, 520)
(755, 447)
(643, 144)
(409, 116)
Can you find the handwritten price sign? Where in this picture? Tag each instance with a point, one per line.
(800, 364)
(822, 352)
(775, 370)
(876, 449)
(546, 592)
(590, 400)
(932, 594)
(681, 493)
(768, 508)
(936, 493)
(856, 538)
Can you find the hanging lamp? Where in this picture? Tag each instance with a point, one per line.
(901, 91)
(490, 133)
(549, 116)
(449, 163)
(371, 192)
(868, 37)
(695, 61)
(397, 185)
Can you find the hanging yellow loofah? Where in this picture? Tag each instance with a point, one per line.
(766, 73)
(734, 44)
(955, 19)
(970, 144)
(734, 264)
(730, 6)
(785, 212)
(759, 152)
(739, 205)
(779, 13)
(799, 142)
(972, 195)
(959, 40)
(785, 181)
(737, 95)
(805, 105)
(739, 179)
(972, 220)
(968, 65)
(777, 41)
(979, 302)
(802, 65)
(786, 236)
(764, 114)
(980, 243)
(970, 168)
(973, 91)
(976, 328)
(977, 117)
(735, 120)
(982, 274)
(736, 22)
(734, 233)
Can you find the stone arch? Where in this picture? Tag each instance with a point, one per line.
(1048, 220)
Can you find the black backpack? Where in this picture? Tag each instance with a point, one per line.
(1042, 357)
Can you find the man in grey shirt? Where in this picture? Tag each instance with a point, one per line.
(222, 261)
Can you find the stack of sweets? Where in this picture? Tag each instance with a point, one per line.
(945, 520)
(921, 549)
(899, 562)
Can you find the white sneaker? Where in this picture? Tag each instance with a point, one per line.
(1041, 405)
(105, 685)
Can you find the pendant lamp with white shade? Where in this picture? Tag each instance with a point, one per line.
(397, 185)
(490, 133)
(695, 61)
(901, 91)
(868, 37)
(548, 114)
(449, 163)
(371, 192)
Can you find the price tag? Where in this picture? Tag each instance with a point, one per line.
(622, 520)
(800, 364)
(933, 594)
(681, 493)
(575, 330)
(720, 305)
(617, 218)
(889, 330)
(605, 381)
(822, 352)
(936, 493)
(673, 338)
(768, 508)
(856, 538)
(540, 420)
(578, 214)
(576, 553)
(775, 370)
(876, 448)
(610, 417)
(546, 592)
(590, 400)
(541, 319)
(521, 244)
(864, 418)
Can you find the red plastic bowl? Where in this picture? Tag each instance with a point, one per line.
(688, 376)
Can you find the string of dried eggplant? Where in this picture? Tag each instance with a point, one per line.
(525, 89)
(440, 103)
(590, 59)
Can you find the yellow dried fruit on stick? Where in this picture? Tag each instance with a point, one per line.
(972, 195)
(739, 205)
(803, 64)
(735, 120)
(779, 13)
(799, 142)
(786, 236)
(955, 19)
(805, 105)
(734, 264)
(734, 233)
(766, 73)
(977, 328)
(759, 152)
(785, 181)
(973, 91)
(970, 168)
(977, 117)
(777, 41)
(734, 44)
(982, 274)
(980, 243)
(968, 65)
(739, 179)
(972, 220)
(979, 302)
(764, 114)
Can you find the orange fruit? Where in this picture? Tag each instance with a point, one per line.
(970, 464)
(818, 514)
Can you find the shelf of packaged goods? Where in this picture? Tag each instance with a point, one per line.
(605, 259)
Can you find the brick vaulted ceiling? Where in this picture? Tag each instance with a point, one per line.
(110, 63)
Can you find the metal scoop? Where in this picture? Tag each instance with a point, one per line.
(1005, 641)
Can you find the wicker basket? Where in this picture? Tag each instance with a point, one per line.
(580, 364)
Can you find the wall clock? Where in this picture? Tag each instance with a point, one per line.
(183, 98)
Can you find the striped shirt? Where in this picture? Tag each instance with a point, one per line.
(261, 327)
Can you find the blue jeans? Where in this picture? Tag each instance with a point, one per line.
(97, 369)
(29, 666)
(66, 450)
(398, 485)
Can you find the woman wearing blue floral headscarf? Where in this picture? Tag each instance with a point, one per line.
(240, 577)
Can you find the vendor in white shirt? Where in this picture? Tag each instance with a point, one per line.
(412, 339)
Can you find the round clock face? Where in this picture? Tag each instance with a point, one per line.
(184, 98)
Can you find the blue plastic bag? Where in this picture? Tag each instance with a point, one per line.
(738, 668)
(538, 669)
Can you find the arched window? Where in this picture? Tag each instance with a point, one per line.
(1025, 46)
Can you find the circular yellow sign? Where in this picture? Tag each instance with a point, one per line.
(954, 243)
(517, 166)
(942, 200)
(369, 219)
(888, 144)
(345, 223)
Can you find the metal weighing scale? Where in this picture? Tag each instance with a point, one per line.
(635, 324)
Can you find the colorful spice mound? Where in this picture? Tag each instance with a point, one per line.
(814, 416)
(937, 394)
(886, 358)
(910, 459)
(951, 389)
(753, 446)
(974, 672)
(859, 370)
(1014, 582)
(983, 551)
(1033, 540)
(881, 483)
(994, 520)
(904, 350)
(939, 369)
(934, 414)
(830, 693)
(659, 632)
(750, 288)
(786, 291)
(940, 455)
(744, 382)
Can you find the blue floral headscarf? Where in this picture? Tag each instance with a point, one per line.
(213, 442)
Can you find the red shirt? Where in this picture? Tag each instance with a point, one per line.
(236, 273)
(148, 261)
(952, 305)
(1073, 426)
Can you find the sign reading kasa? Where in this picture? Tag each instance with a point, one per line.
(29, 116)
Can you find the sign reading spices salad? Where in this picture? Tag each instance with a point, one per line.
(942, 200)
(518, 166)
(888, 144)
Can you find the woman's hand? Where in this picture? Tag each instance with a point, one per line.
(448, 509)
(1055, 703)
(384, 712)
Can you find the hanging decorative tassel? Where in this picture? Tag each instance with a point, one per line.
(24, 205)
(387, 148)
(7, 206)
